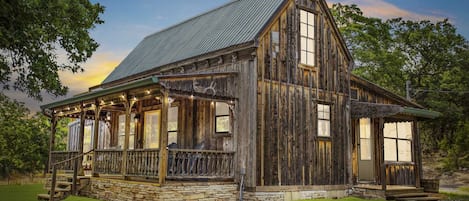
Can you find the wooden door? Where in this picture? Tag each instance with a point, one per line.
(365, 150)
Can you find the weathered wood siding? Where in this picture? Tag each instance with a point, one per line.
(289, 152)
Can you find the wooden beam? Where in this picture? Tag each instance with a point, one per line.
(81, 136)
(417, 153)
(381, 160)
(97, 111)
(163, 162)
(373, 110)
(53, 126)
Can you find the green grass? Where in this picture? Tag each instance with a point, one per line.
(28, 192)
(464, 188)
(453, 196)
(346, 199)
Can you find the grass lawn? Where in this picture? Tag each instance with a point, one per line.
(28, 192)
(346, 199)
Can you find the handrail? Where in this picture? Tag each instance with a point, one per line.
(75, 172)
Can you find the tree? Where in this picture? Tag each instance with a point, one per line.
(432, 55)
(31, 35)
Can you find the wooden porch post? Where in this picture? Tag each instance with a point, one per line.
(162, 166)
(417, 153)
(53, 126)
(97, 111)
(80, 139)
(381, 153)
(128, 110)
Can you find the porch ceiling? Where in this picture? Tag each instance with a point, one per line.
(376, 110)
(102, 92)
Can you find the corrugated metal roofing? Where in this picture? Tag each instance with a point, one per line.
(234, 23)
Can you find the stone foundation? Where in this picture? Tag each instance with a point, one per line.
(116, 190)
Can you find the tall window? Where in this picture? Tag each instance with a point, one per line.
(398, 141)
(172, 125)
(307, 47)
(365, 139)
(324, 120)
(121, 139)
(151, 131)
(222, 117)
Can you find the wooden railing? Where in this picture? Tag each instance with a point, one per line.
(108, 161)
(143, 162)
(186, 163)
(57, 156)
(400, 173)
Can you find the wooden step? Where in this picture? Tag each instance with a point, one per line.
(419, 199)
(58, 189)
(406, 195)
(47, 196)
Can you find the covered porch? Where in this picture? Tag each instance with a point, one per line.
(167, 127)
(386, 146)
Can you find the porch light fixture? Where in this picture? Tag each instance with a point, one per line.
(68, 108)
(136, 118)
(212, 103)
(112, 102)
(135, 98)
(148, 91)
(108, 116)
(191, 97)
(123, 97)
(102, 102)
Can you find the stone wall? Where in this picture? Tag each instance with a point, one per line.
(116, 190)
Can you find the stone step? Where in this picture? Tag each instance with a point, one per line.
(419, 199)
(406, 195)
(47, 196)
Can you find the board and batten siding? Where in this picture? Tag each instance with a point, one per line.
(289, 151)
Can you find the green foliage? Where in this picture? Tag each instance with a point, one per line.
(432, 55)
(32, 33)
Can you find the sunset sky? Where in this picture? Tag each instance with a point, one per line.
(127, 22)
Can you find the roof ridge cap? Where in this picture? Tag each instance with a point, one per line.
(191, 18)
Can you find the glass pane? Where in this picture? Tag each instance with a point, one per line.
(131, 142)
(404, 130)
(275, 37)
(310, 31)
(310, 58)
(303, 57)
(324, 128)
(310, 18)
(390, 152)
(222, 109)
(365, 128)
(303, 30)
(172, 139)
(303, 16)
(173, 119)
(120, 142)
(310, 45)
(121, 131)
(223, 124)
(405, 150)
(365, 149)
(151, 131)
(303, 43)
(390, 130)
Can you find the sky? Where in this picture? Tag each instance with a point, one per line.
(127, 22)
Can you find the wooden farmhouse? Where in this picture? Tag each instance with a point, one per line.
(253, 100)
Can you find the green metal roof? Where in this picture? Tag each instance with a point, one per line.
(237, 22)
(103, 92)
(417, 112)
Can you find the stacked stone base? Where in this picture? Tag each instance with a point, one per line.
(116, 190)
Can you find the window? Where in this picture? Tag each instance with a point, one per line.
(365, 139)
(121, 131)
(354, 94)
(398, 141)
(307, 47)
(172, 125)
(222, 117)
(151, 130)
(324, 120)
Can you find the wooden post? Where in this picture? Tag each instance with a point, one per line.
(75, 175)
(381, 153)
(97, 111)
(53, 182)
(163, 139)
(53, 126)
(128, 110)
(417, 153)
(80, 139)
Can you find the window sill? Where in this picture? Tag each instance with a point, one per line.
(223, 134)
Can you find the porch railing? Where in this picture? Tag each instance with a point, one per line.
(57, 156)
(143, 162)
(400, 174)
(108, 161)
(187, 163)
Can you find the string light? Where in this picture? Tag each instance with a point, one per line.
(112, 102)
(147, 91)
(122, 96)
(191, 97)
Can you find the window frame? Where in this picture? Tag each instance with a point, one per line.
(174, 105)
(221, 116)
(131, 134)
(396, 141)
(323, 119)
(307, 37)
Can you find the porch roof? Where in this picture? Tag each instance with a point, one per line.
(102, 92)
(374, 110)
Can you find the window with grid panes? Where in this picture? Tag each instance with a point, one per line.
(324, 120)
(398, 141)
(307, 38)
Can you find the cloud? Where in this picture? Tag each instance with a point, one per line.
(385, 10)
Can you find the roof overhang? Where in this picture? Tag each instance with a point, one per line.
(377, 110)
(102, 92)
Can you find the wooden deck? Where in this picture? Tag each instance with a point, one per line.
(393, 192)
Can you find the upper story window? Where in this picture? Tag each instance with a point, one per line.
(307, 35)
(222, 117)
(324, 120)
